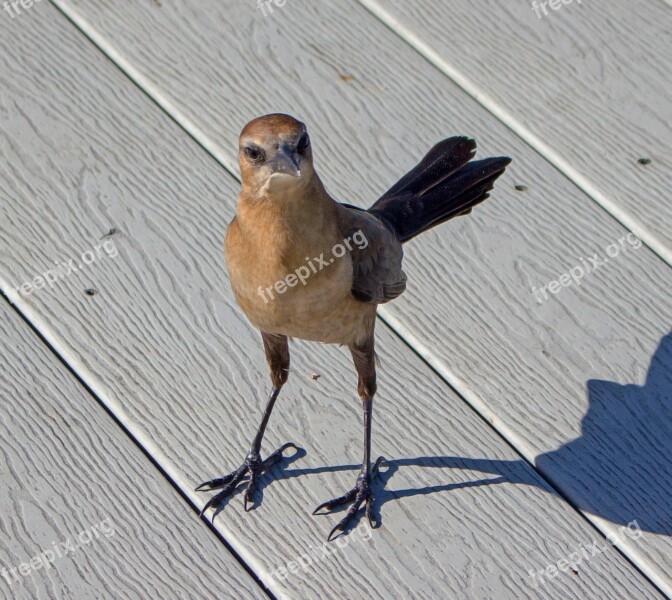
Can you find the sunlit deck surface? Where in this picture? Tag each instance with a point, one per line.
(524, 405)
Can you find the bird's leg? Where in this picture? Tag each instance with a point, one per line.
(277, 354)
(364, 359)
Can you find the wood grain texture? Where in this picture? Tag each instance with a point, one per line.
(563, 381)
(162, 344)
(74, 487)
(587, 85)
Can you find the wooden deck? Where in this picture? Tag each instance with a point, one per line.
(524, 434)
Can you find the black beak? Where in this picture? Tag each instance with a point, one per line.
(283, 162)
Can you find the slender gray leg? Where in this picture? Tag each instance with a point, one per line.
(277, 355)
(365, 364)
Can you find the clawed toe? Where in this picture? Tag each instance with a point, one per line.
(252, 466)
(334, 502)
(249, 492)
(211, 484)
(361, 493)
(228, 489)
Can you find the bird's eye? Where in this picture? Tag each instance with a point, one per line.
(255, 154)
(303, 144)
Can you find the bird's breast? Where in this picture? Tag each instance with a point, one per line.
(306, 298)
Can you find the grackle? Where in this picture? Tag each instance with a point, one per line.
(302, 265)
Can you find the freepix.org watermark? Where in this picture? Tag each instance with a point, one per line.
(309, 560)
(578, 272)
(313, 266)
(266, 6)
(539, 6)
(13, 7)
(45, 558)
(584, 553)
(62, 270)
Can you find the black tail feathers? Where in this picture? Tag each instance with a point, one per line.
(444, 185)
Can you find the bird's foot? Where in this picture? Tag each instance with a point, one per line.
(362, 492)
(252, 466)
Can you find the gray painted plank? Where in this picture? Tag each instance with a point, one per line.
(588, 85)
(564, 380)
(164, 347)
(83, 503)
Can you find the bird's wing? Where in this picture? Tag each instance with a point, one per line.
(376, 256)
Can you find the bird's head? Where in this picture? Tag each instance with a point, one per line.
(275, 154)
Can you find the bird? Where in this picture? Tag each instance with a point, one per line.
(302, 265)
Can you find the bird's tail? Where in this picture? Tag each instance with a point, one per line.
(444, 185)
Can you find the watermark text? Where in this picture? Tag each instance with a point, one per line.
(313, 266)
(45, 558)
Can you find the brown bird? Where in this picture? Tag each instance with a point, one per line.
(304, 266)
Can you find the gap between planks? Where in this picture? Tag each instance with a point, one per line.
(144, 447)
(396, 327)
(533, 141)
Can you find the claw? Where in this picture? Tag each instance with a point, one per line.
(352, 511)
(228, 483)
(373, 521)
(238, 475)
(334, 502)
(249, 492)
(208, 504)
(362, 492)
(336, 528)
(217, 482)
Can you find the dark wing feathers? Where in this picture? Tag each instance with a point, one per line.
(440, 162)
(377, 276)
(445, 184)
(467, 188)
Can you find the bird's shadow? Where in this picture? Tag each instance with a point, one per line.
(504, 471)
(620, 468)
(517, 472)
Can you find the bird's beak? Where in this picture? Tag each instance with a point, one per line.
(283, 162)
